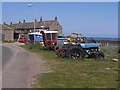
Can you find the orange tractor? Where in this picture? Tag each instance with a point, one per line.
(49, 39)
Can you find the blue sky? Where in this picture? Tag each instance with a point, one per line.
(94, 19)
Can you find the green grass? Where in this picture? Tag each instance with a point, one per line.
(87, 73)
(9, 26)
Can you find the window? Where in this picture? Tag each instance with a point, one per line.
(37, 35)
(54, 35)
(48, 36)
(31, 37)
(55, 30)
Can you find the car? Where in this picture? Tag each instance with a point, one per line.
(63, 40)
(23, 39)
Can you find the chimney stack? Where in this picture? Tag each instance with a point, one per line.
(19, 22)
(10, 23)
(40, 19)
(23, 21)
(35, 20)
(56, 18)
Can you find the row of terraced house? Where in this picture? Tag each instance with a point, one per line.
(12, 31)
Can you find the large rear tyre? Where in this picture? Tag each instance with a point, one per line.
(75, 54)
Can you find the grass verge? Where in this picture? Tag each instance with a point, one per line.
(87, 73)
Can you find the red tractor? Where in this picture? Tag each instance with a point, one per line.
(49, 39)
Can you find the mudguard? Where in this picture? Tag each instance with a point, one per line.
(90, 45)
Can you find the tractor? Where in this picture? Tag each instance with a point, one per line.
(75, 51)
(49, 39)
(80, 50)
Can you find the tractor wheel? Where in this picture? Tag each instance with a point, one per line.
(60, 52)
(75, 52)
(99, 56)
(56, 48)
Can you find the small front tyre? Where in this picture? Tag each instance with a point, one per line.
(99, 56)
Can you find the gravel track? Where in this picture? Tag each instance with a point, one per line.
(21, 68)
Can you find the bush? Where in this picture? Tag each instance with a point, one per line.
(26, 32)
(110, 52)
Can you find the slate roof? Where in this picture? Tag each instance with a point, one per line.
(23, 25)
(30, 25)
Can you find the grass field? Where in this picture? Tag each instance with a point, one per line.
(87, 73)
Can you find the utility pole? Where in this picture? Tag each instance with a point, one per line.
(30, 5)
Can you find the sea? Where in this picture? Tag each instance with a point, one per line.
(102, 38)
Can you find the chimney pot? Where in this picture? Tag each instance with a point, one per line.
(23, 21)
(56, 18)
(35, 20)
(19, 22)
(10, 23)
(40, 18)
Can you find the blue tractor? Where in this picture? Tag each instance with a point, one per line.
(80, 50)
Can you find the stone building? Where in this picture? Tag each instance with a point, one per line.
(19, 28)
(7, 33)
(50, 25)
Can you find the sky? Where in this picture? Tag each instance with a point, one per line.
(96, 19)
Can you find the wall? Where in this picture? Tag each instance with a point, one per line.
(8, 35)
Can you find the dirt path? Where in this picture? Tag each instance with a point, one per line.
(21, 68)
